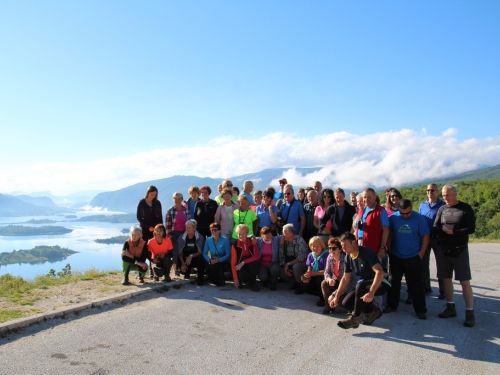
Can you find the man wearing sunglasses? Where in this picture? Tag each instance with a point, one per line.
(408, 243)
(429, 209)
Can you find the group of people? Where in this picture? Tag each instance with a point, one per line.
(352, 255)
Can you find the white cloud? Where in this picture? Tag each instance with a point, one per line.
(348, 160)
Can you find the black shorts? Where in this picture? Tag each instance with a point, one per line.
(460, 264)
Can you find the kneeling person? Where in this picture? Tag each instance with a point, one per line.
(365, 264)
(161, 253)
(245, 259)
(134, 255)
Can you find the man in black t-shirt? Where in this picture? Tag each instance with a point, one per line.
(365, 264)
(454, 222)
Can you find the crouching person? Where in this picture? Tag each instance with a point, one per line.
(161, 253)
(216, 252)
(245, 257)
(134, 255)
(190, 246)
(365, 264)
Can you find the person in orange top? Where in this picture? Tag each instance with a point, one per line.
(161, 253)
(245, 259)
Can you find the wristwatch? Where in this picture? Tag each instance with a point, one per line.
(383, 247)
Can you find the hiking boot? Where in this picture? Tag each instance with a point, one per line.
(167, 279)
(254, 288)
(272, 286)
(141, 279)
(299, 289)
(200, 282)
(327, 310)
(294, 286)
(265, 283)
(125, 281)
(470, 319)
(320, 302)
(351, 322)
(409, 300)
(449, 312)
(389, 309)
(156, 278)
(422, 316)
(372, 316)
(441, 296)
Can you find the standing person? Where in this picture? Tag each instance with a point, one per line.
(353, 196)
(190, 246)
(315, 274)
(194, 192)
(410, 236)
(247, 191)
(245, 259)
(360, 206)
(340, 213)
(220, 252)
(391, 205)
(204, 211)
(455, 221)
(244, 215)
(318, 186)
(267, 213)
(292, 212)
(301, 196)
(309, 211)
(225, 214)
(134, 254)
(429, 209)
(373, 224)
(175, 220)
(292, 256)
(364, 263)
(226, 184)
(257, 198)
(280, 193)
(161, 253)
(149, 213)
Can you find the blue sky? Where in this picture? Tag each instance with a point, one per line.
(87, 84)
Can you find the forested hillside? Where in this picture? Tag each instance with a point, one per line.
(482, 195)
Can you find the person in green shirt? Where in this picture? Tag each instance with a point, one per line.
(244, 215)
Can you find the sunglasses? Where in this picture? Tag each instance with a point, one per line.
(333, 248)
(405, 213)
(288, 194)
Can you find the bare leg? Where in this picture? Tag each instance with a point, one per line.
(448, 289)
(468, 295)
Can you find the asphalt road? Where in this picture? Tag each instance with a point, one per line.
(209, 330)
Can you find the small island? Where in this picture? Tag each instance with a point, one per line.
(40, 221)
(70, 216)
(37, 254)
(112, 240)
(125, 230)
(46, 230)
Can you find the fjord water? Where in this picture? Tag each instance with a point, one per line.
(81, 239)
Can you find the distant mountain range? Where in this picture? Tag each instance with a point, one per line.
(126, 199)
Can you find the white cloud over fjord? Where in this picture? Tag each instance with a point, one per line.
(347, 160)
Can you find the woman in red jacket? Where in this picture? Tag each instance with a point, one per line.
(245, 259)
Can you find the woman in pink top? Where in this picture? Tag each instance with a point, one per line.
(224, 214)
(269, 249)
(393, 197)
(325, 200)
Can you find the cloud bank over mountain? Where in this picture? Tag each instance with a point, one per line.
(347, 160)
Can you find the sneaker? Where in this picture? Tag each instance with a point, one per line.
(327, 310)
(320, 302)
(389, 309)
(254, 288)
(351, 322)
(441, 296)
(125, 281)
(470, 319)
(372, 316)
(422, 316)
(449, 312)
(141, 279)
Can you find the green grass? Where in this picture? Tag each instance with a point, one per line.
(14, 314)
(21, 291)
